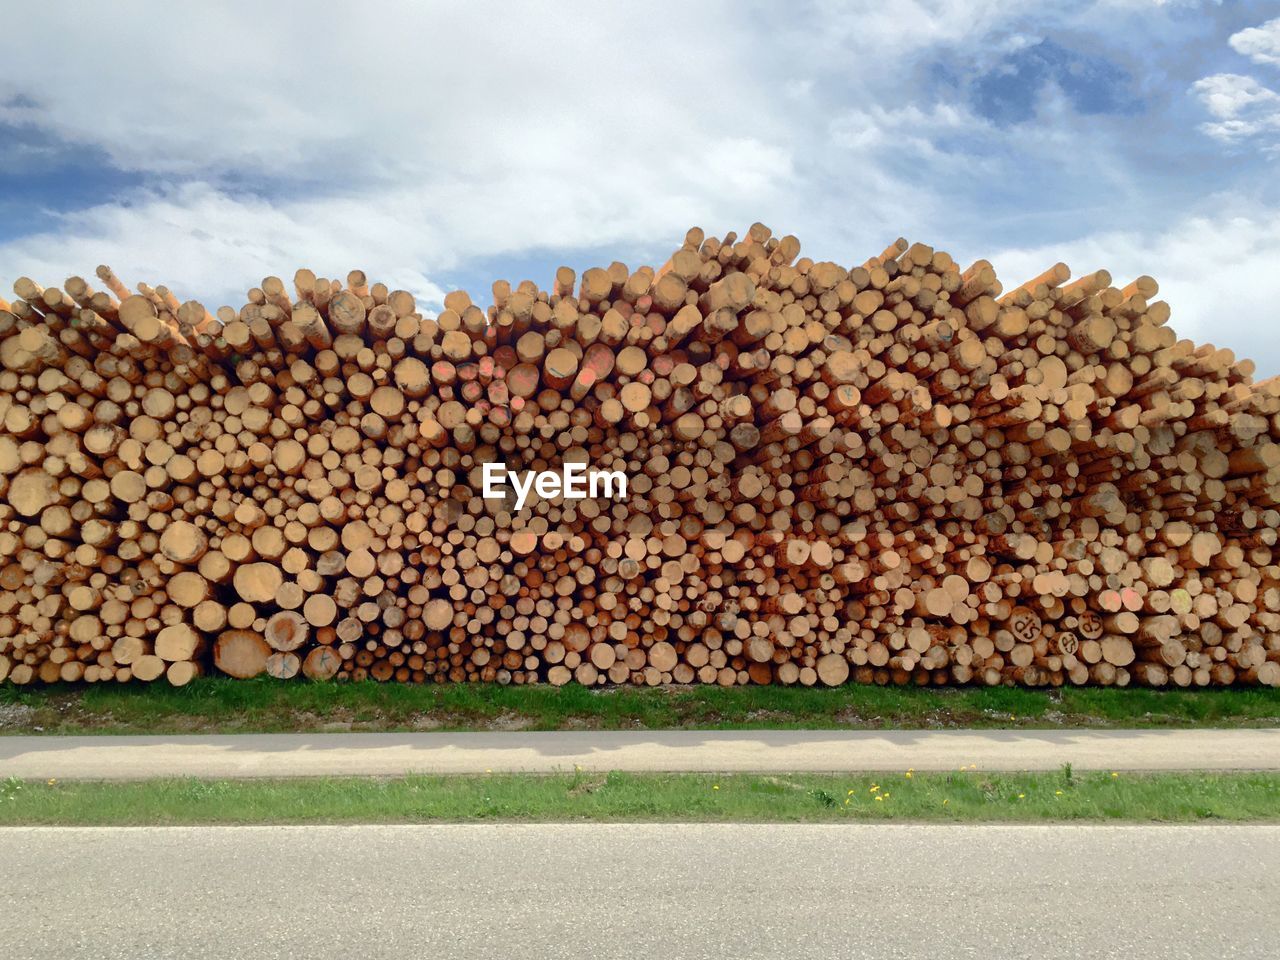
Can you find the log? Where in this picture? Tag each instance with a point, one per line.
(241, 653)
(321, 663)
(286, 631)
(178, 642)
(283, 665)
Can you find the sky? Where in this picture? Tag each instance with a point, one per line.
(441, 146)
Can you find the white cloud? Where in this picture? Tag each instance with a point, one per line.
(212, 243)
(399, 139)
(413, 138)
(1217, 274)
(211, 246)
(1228, 95)
(264, 88)
(1244, 108)
(208, 242)
(880, 29)
(922, 132)
(1259, 44)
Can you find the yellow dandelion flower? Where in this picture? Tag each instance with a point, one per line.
(1057, 793)
(849, 794)
(1114, 774)
(52, 781)
(716, 787)
(886, 796)
(945, 801)
(879, 798)
(1022, 796)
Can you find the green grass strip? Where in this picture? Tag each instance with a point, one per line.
(213, 705)
(944, 797)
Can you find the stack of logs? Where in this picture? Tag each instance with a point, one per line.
(894, 472)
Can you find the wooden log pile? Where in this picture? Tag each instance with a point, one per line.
(890, 472)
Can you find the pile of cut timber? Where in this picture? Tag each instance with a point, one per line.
(895, 472)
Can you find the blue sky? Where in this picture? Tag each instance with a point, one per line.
(442, 146)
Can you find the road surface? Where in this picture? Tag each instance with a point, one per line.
(393, 754)
(641, 891)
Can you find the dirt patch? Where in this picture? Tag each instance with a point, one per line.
(15, 715)
(508, 721)
(338, 720)
(767, 716)
(851, 717)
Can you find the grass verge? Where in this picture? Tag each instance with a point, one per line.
(213, 705)
(944, 797)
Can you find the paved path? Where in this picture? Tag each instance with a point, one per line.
(391, 754)
(891, 892)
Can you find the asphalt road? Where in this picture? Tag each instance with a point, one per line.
(665, 891)
(393, 754)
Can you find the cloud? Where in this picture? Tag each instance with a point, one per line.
(1259, 44)
(211, 246)
(424, 136)
(1229, 95)
(350, 101)
(918, 132)
(1244, 108)
(884, 31)
(408, 140)
(1217, 274)
(208, 241)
